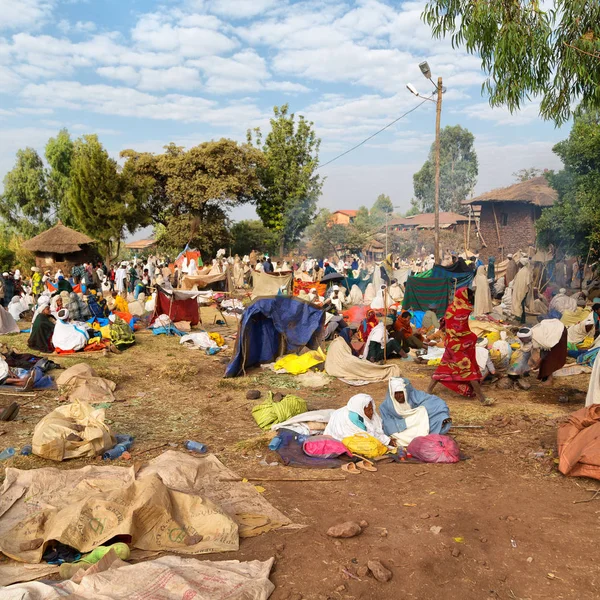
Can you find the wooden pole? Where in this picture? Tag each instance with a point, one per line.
(469, 229)
(438, 116)
(500, 247)
(385, 310)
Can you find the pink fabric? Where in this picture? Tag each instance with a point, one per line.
(324, 446)
(434, 448)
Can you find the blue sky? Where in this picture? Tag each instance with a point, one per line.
(141, 74)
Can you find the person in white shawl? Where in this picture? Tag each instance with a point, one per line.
(192, 268)
(356, 296)
(380, 301)
(68, 336)
(562, 302)
(396, 293)
(483, 297)
(369, 294)
(16, 306)
(521, 285)
(578, 332)
(313, 296)
(358, 416)
(337, 298)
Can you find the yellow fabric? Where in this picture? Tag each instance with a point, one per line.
(492, 336)
(105, 331)
(296, 365)
(364, 445)
(218, 338)
(121, 305)
(434, 362)
(570, 317)
(587, 343)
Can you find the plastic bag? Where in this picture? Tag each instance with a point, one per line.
(434, 448)
(324, 446)
(364, 445)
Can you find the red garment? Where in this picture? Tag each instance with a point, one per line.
(367, 325)
(185, 309)
(459, 365)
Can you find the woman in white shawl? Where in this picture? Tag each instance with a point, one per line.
(192, 268)
(238, 273)
(521, 285)
(68, 336)
(380, 301)
(369, 295)
(483, 296)
(400, 420)
(16, 306)
(356, 296)
(576, 333)
(358, 416)
(396, 292)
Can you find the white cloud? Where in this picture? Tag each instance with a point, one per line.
(502, 115)
(9, 80)
(240, 9)
(288, 87)
(25, 14)
(175, 78)
(127, 102)
(125, 74)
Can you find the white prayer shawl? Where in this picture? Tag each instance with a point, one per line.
(562, 303)
(369, 295)
(378, 302)
(16, 307)
(185, 268)
(521, 284)
(356, 296)
(547, 333)
(120, 275)
(377, 335)
(395, 292)
(416, 419)
(577, 333)
(69, 336)
(192, 268)
(483, 297)
(340, 426)
(377, 280)
(7, 323)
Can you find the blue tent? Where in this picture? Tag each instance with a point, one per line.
(274, 325)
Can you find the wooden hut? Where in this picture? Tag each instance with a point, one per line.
(60, 248)
(508, 216)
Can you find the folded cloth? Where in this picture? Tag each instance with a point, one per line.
(269, 412)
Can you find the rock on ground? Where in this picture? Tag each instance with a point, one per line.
(379, 571)
(345, 530)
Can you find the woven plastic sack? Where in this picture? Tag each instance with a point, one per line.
(364, 445)
(434, 448)
(324, 446)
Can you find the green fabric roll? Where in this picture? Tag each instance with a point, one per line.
(269, 413)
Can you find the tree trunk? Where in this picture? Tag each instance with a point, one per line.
(281, 248)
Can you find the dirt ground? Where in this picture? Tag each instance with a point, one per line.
(509, 524)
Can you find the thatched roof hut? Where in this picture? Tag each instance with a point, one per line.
(508, 216)
(60, 248)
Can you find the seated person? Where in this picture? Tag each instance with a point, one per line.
(396, 292)
(42, 330)
(313, 296)
(121, 334)
(373, 350)
(403, 416)
(97, 306)
(430, 320)
(358, 416)
(484, 360)
(336, 299)
(69, 336)
(63, 285)
(17, 377)
(404, 334)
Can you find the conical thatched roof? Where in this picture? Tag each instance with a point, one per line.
(535, 191)
(58, 240)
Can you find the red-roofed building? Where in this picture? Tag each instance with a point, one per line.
(343, 217)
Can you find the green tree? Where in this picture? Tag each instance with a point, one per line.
(381, 208)
(59, 154)
(414, 209)
(458, 171)
(251, 235)
(190, 192)
(572, 225)
(98, 197)
(527, 51)
(291, 186)
(526, 174)
(25, 204)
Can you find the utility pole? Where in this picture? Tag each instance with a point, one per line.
(438, 116)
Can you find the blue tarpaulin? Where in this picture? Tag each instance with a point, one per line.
(268, 321)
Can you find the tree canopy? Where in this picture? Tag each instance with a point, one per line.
(287, 201)
(528, 51)
(526, 174)
(59, 154)
(572, 225)
(189, 192)
(251, 235)
(458, 171)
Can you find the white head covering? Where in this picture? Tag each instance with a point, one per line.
(63, 314)
(523, 333)
(112, 317)
(509, 256)
(562, 291)
(336, 288)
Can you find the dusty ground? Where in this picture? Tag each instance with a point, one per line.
(509, 525)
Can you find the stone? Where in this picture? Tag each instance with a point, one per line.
(524, 385)
(362, 571)
(505, 384)
(280, 547)
(435, 529)
(363, 524)
(455, 552)
(253, 394)
(383, 532)
(483, 540)
(340, 588)
(424, 516)
(345, 530)
(379, 571)
(530, 559)
(511, 518)
(295, 596)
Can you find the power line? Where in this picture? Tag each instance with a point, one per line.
(376, 133)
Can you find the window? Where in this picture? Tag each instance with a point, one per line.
(504, 219)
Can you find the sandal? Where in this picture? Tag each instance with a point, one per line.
(365, 466)
(351, 468)
(30, 382)
(10, 412)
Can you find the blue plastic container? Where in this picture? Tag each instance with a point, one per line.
(196, 447)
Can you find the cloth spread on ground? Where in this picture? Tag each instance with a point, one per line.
(72, 431)
(176, 503)
(267, 322)
(168, 577)
(292, 455)
(81, 383)
(420, 292)
(459, 365)
(351, 419)
(269, 284)
(306, 423)
(269, 413)
(579, 443)
(342, 363)
(294, 364)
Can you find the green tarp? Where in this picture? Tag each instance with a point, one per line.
(423, 291)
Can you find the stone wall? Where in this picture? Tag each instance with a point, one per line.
(516, 223)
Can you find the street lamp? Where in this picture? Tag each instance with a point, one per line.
(424, 66)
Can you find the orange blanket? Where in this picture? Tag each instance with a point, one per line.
(579, 443)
